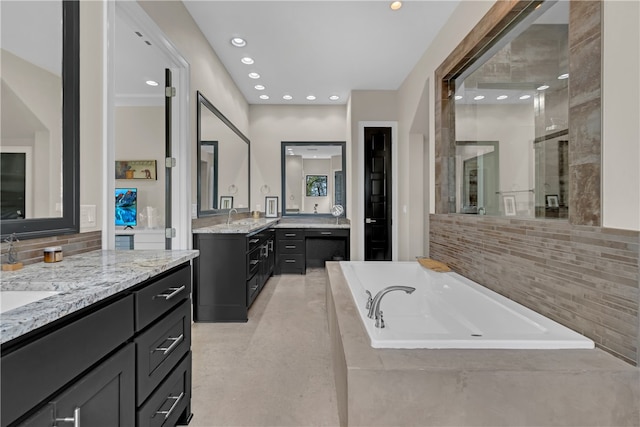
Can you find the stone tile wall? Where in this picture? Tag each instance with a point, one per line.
(585, 277)
(31, 251)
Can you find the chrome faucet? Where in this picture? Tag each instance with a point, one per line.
(230, 212)
(374, 309)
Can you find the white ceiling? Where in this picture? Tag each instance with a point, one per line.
(300, 48)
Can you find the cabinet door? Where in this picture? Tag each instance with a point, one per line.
(103, 397)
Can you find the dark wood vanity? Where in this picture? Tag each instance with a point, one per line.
(234, 265)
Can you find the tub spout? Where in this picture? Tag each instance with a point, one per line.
(374, 310)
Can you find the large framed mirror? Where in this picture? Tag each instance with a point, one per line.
(39, 142)
(223, 162)
(313, 177)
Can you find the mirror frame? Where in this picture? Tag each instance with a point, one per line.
(202, 100)
(283, 176)
(69, 222)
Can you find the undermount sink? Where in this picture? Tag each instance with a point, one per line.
(10, 300)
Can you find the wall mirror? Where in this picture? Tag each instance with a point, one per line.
(223, 162)
(39, 142)
(511, 119)
(313, 177)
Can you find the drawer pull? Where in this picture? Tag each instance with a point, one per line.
(173, 345)
(173, 292)
(290, 246)
(326, 233)
(254, 261)
(290, 261)
(177, 399)
(75, 419)
(290, 234)
(252, 241)
(270, 245)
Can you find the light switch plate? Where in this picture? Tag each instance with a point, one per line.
(87, 215)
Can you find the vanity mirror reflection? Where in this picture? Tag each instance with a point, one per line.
(39, 142)
(223, 162)
(313, 177)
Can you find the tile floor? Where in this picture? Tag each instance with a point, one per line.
(274, 370)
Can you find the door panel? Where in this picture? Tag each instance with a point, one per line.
(167, 137)
(377, 202)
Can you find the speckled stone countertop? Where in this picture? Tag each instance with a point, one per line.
(81, 280)
(241, 226)
(250, 225)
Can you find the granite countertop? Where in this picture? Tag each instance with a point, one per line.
(81, 280)
(311, 224)
(240, 226)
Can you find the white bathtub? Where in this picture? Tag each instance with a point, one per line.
(449, 311)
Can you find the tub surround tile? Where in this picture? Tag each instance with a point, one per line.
(587, 278)
(81, 280)
(472, 387)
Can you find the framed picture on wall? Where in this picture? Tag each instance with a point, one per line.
(226, 202)
(271, 207)
(509, 205)
(136, 169)
(552, 201)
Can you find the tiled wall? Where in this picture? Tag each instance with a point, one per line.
(30, 251)
(585, 277)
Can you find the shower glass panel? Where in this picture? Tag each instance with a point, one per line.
(511, 122)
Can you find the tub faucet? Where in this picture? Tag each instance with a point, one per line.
(229, 217)
(374, 310)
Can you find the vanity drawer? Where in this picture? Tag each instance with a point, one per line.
(160, 347)
(335, 232)
(291, 247)
(289, 234)
(292, 264)
(169, 401)
(158, 297)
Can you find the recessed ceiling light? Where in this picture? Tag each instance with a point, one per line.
(395, 5)
(152, 82)
(478, 97)
(238, 42)
(563, 76)
(264, 96)
(525, 97)
(334, 97)
(246, 60)
(458, 97)
(254, 75)
(259, 87)
(501, 97)
(543, 87)
(287, 97)
(311, 97)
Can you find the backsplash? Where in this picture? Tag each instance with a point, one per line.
(31, 251)
(584, 277)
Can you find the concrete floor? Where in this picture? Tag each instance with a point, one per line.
(274, 370)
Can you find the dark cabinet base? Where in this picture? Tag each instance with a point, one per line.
(299, 249)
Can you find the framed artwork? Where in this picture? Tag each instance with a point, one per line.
(552, 201)
(271, 206)
(509, 205)
(316, 185)
(226, 202)
(136, 169)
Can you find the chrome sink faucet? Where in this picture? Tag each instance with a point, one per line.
(374, 308)
(230, 212)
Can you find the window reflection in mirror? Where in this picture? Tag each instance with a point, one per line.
(223, 161)
(31, 144)
(313, 177)
(516, 96)
(39, 141)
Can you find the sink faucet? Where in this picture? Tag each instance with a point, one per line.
(230, 212)
(374, 309)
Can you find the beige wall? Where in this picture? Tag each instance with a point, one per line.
(91, 108)
(139, 135)
(272, 124)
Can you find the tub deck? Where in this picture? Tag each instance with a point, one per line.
(399, 387)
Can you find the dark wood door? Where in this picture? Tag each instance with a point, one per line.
(377, 193)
